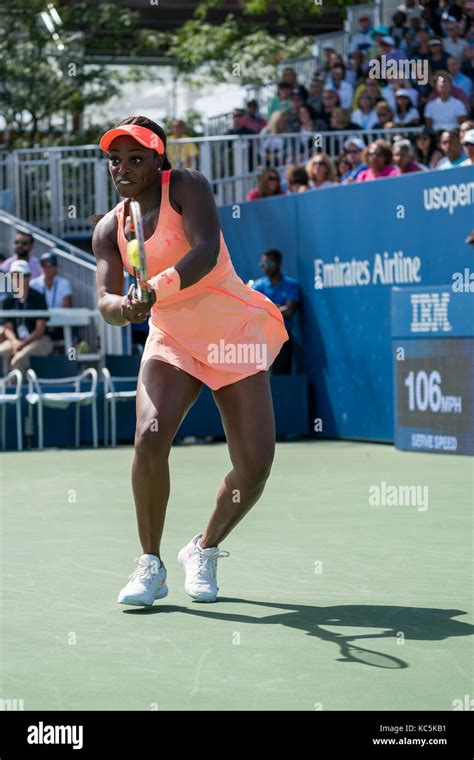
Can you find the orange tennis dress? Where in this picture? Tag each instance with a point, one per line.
(219, 330)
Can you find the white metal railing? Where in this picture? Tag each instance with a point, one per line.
(80, 269)
(230, 162)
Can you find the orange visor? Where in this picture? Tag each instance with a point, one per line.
(141, 134)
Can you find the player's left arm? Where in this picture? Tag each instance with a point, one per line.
(193, 194)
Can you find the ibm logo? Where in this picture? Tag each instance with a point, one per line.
(430, 312)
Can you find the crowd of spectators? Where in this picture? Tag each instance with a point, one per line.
(35, 285)
(430, 85)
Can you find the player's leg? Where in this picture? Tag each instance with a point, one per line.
(164, 395)
(246, 410)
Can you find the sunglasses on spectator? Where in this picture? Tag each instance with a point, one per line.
(274, 179)
(353, 150)
(375, 153)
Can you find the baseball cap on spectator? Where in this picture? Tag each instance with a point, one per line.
(468, 137)
(381, 29)
(434, 41)
(354, 141)
(328, 46)
(402, 93)
(388, 40)
(22, 267)
(296, 93)
(49, 258)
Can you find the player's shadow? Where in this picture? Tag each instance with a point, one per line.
(397, 623)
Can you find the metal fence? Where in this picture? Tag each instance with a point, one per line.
(58, 190)
(78, 267)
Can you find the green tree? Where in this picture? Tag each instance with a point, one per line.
(42, 66)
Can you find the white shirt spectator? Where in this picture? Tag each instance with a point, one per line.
(361, 41)
(55, 296)
(364, 120)
(411, 115)
(445, 112)
(455, 48)
(388, 94)
(345, 91)
(411, 11)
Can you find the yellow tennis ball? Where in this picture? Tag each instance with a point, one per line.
(133, 256)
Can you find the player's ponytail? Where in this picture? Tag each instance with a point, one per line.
(144, 121)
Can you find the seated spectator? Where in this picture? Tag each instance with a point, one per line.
(378, 157)
(419, 44)
(322, 70)
(321, 171)
(296, 179)
(315, 99)
(403, 157)
(340, 122)
(289, 75)
(342, 166)
(453, 43)
(238, 125)
(367, 85)
(399, 30)
(354, 147)
(273, 147)
(410, 9)
(355, 73)
(375, 50)
(458, 79)
(427, 152)
(335, 80)
(445, 111)
(181, 155)
(252, 119)
(388, 49)
(468, 145)
(437, 58)
(56, 289)
(23, 245)
(465, 126)
(280, 101)
(390, 90)
(285, 293)
(364, 114)
(456, 92)
(269, 184)
(23, 337)
(453, 152)
(296, 100)
(330, 102)
(361, 41)
(384, 115)
(467, 66)
(307, 117)
(405, 114)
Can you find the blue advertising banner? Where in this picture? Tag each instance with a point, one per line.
(348, 246)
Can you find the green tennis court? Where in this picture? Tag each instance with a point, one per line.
(327, 601)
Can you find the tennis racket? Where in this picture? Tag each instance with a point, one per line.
(136, 253)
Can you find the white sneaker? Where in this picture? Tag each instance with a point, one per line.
(147, 582)
(200, 567)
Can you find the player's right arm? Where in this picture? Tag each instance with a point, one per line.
(109, 275)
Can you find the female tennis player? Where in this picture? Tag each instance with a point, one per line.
(206, 327)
